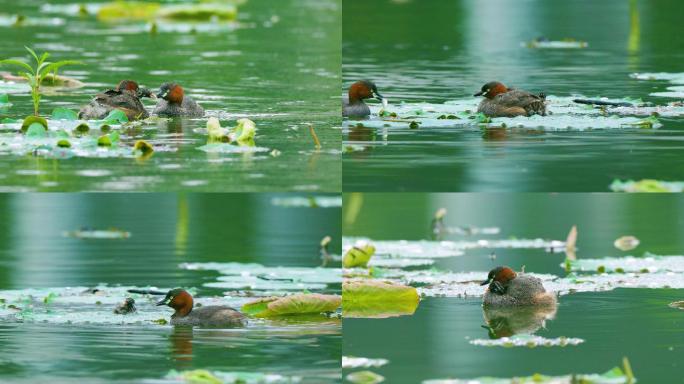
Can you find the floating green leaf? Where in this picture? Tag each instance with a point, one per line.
(36, 130)
(292, 305)
(64, 114)
(647, 185)
(116, 116)
(244, 132)
(358, 255)
(377, 299)
(365, 377)
(33, 119)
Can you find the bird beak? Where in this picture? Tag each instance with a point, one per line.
(479, 94)
(162, 94)
(486, 282)
(162, 302)
(378, 96)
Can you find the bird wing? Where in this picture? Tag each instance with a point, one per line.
(517, 98)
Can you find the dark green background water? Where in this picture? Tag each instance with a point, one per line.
(282, 75)
(166, 229)
(636, 323)
(433, 51)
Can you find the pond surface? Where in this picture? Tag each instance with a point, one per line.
(435, 343)
(434, 51)
(165, 230)
(277, 64)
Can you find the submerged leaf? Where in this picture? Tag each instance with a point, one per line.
(677, 304)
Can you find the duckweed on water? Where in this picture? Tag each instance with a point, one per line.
(202, 376)
(614, 376)
(646, 264)
(529, 341)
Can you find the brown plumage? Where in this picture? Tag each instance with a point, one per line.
(500, 101)
(126, 97)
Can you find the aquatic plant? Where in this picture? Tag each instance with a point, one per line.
(37, 75)
(305, 303)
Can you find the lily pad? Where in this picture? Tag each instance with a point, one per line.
(614, 376)
(203, 376)
(116, 116)
(64, 114)
(529, 341)
(33, 119)
(364, 377)
(647, 264)
(308, 303)
(36, 130)
(377, 299)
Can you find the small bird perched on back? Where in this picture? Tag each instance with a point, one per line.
(500, 101)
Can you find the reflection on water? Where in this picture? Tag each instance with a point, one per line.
(506, 322)
(57, 344)
(460, 45)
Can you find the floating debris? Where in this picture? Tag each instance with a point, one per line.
(86, 233)
(362, 362)
(677, 304)
(529, 341)
(626, 243)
